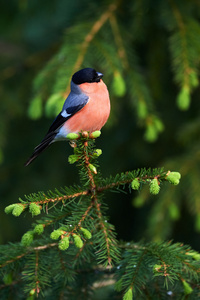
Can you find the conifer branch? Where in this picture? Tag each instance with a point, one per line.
(81, 219)
(119, 41)
(91, 34)
(184, 58)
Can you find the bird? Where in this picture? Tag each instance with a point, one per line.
(86, 108)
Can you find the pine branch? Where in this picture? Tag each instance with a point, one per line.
(79, 223)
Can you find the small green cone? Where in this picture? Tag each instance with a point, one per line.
(77, 241)
(72, 136)
(118, 84)
(154, 187)
(64, 243)
(27, 238)
(174, 177)
(187, 288)
(93, 168)
(128, 295)
(73, 158)
(135, 184)
(95, 134)
(87, 234)
(183, 99)
(38, 229)
(8, 209)
(56, 234)
(34, 209)
(18, 209)
(97, 152)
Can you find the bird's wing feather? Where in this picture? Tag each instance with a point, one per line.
(72, 105)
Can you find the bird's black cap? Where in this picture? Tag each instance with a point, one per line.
(86, 75)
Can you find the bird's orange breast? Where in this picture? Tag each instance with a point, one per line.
(95, 113)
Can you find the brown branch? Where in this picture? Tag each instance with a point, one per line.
(90, 36)
(38, 248)
(119, 41)
(37, 288)
(99, 214)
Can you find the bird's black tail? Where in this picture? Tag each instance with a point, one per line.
(46, 142)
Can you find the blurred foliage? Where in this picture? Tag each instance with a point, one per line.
(149, 54)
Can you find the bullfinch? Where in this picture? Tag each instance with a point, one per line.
(86, 108)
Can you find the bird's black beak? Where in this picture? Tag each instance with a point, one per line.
(99, 75)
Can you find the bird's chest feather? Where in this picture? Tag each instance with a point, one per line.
(94, 114)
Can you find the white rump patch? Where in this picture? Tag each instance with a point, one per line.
(64, 114)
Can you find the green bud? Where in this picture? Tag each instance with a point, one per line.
(128, 295)
(97, 152)
(187, 288)
(64, 243)
(8, 209)
(34, 209)
(135, 184)
(35, 108)
(158, 124)
(95, 134)
(32, 292)
(194, 79)
(183, 98)
(87, 234)
(174, 177)
(154, 187)
(54, 104)
(72, 136)
(38, 229)
(194, 255)
(118, 85)
(174, 211)
(27, 238)
(18, 209)
(73, 158)
(93, 168)
(56, 234)
(151, 133)
(77, 241)
(142, 109)
(156, 268)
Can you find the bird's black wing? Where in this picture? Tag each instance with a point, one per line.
(63, 116)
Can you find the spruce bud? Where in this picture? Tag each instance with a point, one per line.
(154, 186)
(77, 241)
(135, 184)
(95, 134)
(72, 136)
(87, 234)
(174, 177)
(27, 238)
(34, 209)
(18, 209)
(38, 229)
(93, 168)
(64, 243)
(56, 234)
(73, 158)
